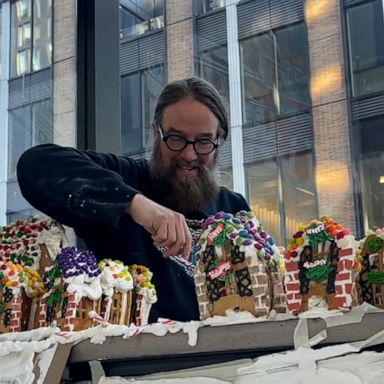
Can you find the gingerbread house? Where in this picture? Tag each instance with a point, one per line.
(145, 293)
(118, 293)
(73, 291)
(34, 242)
(320, 267)
(371, 278)
(20, 288)
(238, 267)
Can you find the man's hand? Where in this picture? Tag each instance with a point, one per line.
(168, 228)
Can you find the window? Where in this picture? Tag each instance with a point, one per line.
(210, 5)
(263, 194)
(139, 93)
(275, 74)
(140, 16)
(281, 191)
(213, 67)
(370, 166)
(28, 126)
(1, 29)
(365, 28)
(31, 37)
(298, 190)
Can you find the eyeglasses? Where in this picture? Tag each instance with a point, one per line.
(178, 143)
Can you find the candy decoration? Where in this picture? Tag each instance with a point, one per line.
(74, 262)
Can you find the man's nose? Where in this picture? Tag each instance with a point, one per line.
(189, 153)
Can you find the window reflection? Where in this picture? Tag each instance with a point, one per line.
(298, 190)
(210, 5)
(365, 26)
(20, 137)
(42, 47)
(213, 67)
(130, 113)
(139, 93)
(282, 187)
(370, 165)
(262, 182)
(275, 74)
(152, 84)
(31, 37)
(140, 16)
(28, 126)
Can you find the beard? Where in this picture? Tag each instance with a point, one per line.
(187, 194)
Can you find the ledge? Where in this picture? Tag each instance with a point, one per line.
(147, 353)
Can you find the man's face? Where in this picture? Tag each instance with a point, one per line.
(188, 177)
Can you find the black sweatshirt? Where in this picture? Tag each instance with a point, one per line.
(89, 191)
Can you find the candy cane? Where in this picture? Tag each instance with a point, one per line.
(161, 320)
(95, 316)
(136, 331)
(64, 334)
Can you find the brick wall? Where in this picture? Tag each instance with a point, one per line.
(330, 114)
(64, 72)
(179, 30)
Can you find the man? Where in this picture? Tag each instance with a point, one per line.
(131, 209)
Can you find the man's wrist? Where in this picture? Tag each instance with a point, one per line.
(128, 205)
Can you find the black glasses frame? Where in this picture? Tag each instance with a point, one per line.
(165, 138)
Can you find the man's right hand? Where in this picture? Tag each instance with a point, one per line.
(168, 228)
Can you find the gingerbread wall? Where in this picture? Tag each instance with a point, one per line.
(343, 283)
(263, 284)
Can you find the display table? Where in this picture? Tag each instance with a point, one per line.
(147, 353)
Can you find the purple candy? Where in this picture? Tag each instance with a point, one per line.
(219, 215)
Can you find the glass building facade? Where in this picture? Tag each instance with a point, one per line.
(304, 85)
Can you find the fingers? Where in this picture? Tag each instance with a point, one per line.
(168, 228)
(188, 242)
(174, 236)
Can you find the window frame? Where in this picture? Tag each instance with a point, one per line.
(14, 51)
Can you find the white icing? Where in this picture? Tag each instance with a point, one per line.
(54, 239)
(115, 277)
(84, 286)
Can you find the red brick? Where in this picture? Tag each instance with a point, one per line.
(296, 276)
(293, 266)
(293, 287)
(348, 264)
(72, 320)
(16, 307)
(72, 305)
(343, 276)
(72, 297)
(345, 252)
(294, 307)
(298, 296)
(15, 323)
(340, 266)
(340, 301)
(348, 288)
(41, 316)
(339, 289)
(290, 296)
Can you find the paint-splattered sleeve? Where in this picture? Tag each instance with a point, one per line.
(74, 186)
